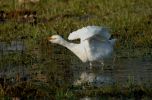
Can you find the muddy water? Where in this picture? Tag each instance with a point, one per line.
(138, 70)
(124, 71)
(68, 68)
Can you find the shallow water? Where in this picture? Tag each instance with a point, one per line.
(13, 46)
(124, 71)
(138, 70)
(70, 69)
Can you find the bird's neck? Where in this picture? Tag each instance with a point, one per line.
(66, 43)
(69, 45)
(77, 49)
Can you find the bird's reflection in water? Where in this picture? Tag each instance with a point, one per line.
(94, 79)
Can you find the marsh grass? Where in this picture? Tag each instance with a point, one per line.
(130, 21)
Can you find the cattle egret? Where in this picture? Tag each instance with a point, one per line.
(95, 43)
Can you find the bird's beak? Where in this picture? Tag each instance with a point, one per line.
(50, 38)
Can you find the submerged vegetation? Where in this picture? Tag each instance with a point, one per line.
(130, 21)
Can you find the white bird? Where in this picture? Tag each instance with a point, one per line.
(94, 43)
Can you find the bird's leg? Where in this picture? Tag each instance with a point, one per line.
(114, 59)
(102, 63)
(90, 65)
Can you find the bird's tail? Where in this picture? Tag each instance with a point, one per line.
(112, 41)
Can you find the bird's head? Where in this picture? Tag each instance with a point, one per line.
(55, 39)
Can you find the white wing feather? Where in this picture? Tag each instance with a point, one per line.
(88, 32)
(97, 48)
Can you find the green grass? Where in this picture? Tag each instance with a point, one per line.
(130, 21)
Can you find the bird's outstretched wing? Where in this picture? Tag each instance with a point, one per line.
(97, 33)
(98, 48)
(89, 32)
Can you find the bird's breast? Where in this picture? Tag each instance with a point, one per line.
(96, 51)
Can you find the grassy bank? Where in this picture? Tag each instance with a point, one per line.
(129, 21)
